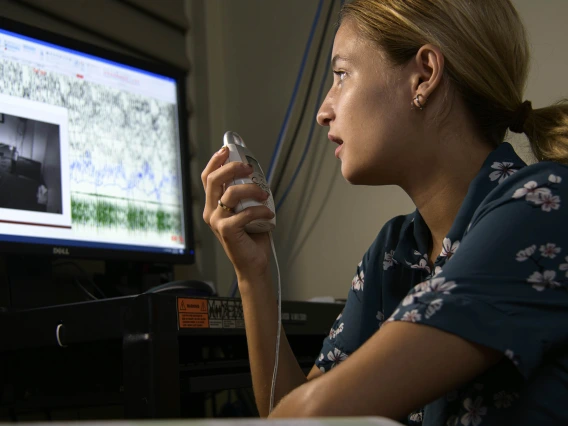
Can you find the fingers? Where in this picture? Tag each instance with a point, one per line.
(216, 181)
(216, 161)
(235, 193)
(231, 198)
(229, 227)
(214, 178)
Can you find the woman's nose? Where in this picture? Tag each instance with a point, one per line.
(325, 113)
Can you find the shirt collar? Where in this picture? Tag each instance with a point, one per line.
(413, 246)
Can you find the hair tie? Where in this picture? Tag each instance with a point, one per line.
(520, 116)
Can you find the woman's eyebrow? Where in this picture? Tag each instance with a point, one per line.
(336, 58)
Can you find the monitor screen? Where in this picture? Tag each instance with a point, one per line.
(92, 152)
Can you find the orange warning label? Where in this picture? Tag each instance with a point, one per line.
(198, 306)
(192, 313)
(211, 313)
(189, 320)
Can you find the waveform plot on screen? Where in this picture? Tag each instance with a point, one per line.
(127, 175)
(107, 213)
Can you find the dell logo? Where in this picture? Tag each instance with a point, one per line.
(61, 250)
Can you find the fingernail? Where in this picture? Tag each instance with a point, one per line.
(222, 150)
(249, 166)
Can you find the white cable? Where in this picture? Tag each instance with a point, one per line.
(275, 372)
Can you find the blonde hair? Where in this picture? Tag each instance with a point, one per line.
(486, 55)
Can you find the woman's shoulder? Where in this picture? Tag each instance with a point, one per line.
(540, 187)
(547, 174)
(540, 169)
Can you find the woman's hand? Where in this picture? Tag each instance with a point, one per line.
(249, 253)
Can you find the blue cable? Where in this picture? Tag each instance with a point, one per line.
(284, 127)
(304, 154)
(307, 147)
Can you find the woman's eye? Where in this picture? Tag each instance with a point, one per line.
(340, 74)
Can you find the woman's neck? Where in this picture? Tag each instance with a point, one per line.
(439, 192)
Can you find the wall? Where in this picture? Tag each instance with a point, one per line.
(25, 137)
(244, 57)
(254, 49)
(52, 169)
(8, 130)
(39, 132)
(19, 133)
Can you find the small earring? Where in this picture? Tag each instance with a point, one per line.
(416, 102)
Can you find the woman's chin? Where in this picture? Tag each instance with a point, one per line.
(351, 175)
(361, 177)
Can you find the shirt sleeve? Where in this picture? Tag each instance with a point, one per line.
(506, 286)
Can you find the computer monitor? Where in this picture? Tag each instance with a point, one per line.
(93, 152)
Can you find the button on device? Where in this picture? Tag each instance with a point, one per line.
(299, 317)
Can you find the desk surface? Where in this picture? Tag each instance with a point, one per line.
(342, 421)
(331, 421)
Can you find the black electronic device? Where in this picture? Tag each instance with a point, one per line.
(93, 152)
(154, 355)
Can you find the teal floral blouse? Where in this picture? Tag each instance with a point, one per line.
(500, 281)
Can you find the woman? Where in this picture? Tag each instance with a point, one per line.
(458, 313)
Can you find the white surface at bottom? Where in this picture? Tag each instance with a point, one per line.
(329, 421)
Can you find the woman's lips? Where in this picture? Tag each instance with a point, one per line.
(337, 141)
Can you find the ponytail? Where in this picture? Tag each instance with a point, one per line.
(547, 131)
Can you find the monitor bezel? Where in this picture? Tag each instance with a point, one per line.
(166, 70)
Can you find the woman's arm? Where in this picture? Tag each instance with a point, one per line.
(261, 321)
(399, 369)
(249, 254)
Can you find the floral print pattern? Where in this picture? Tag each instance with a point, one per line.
(416, 417)
(412, 316)
(389, 260)
(335, 331)
(564, 266)
(434, 285)
(540, 196)
(381, 318)
(449, 249)
(526, 253)
(475, 410)
(336, 356)
(422, 262)
(515, 276)
(548, 202)
(512, 357)
(549, 250)
(504, 399)
(358, 282)
(531, 191)
(504, 170)
(543, 278)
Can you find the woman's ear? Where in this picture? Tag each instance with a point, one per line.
(429, 65)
